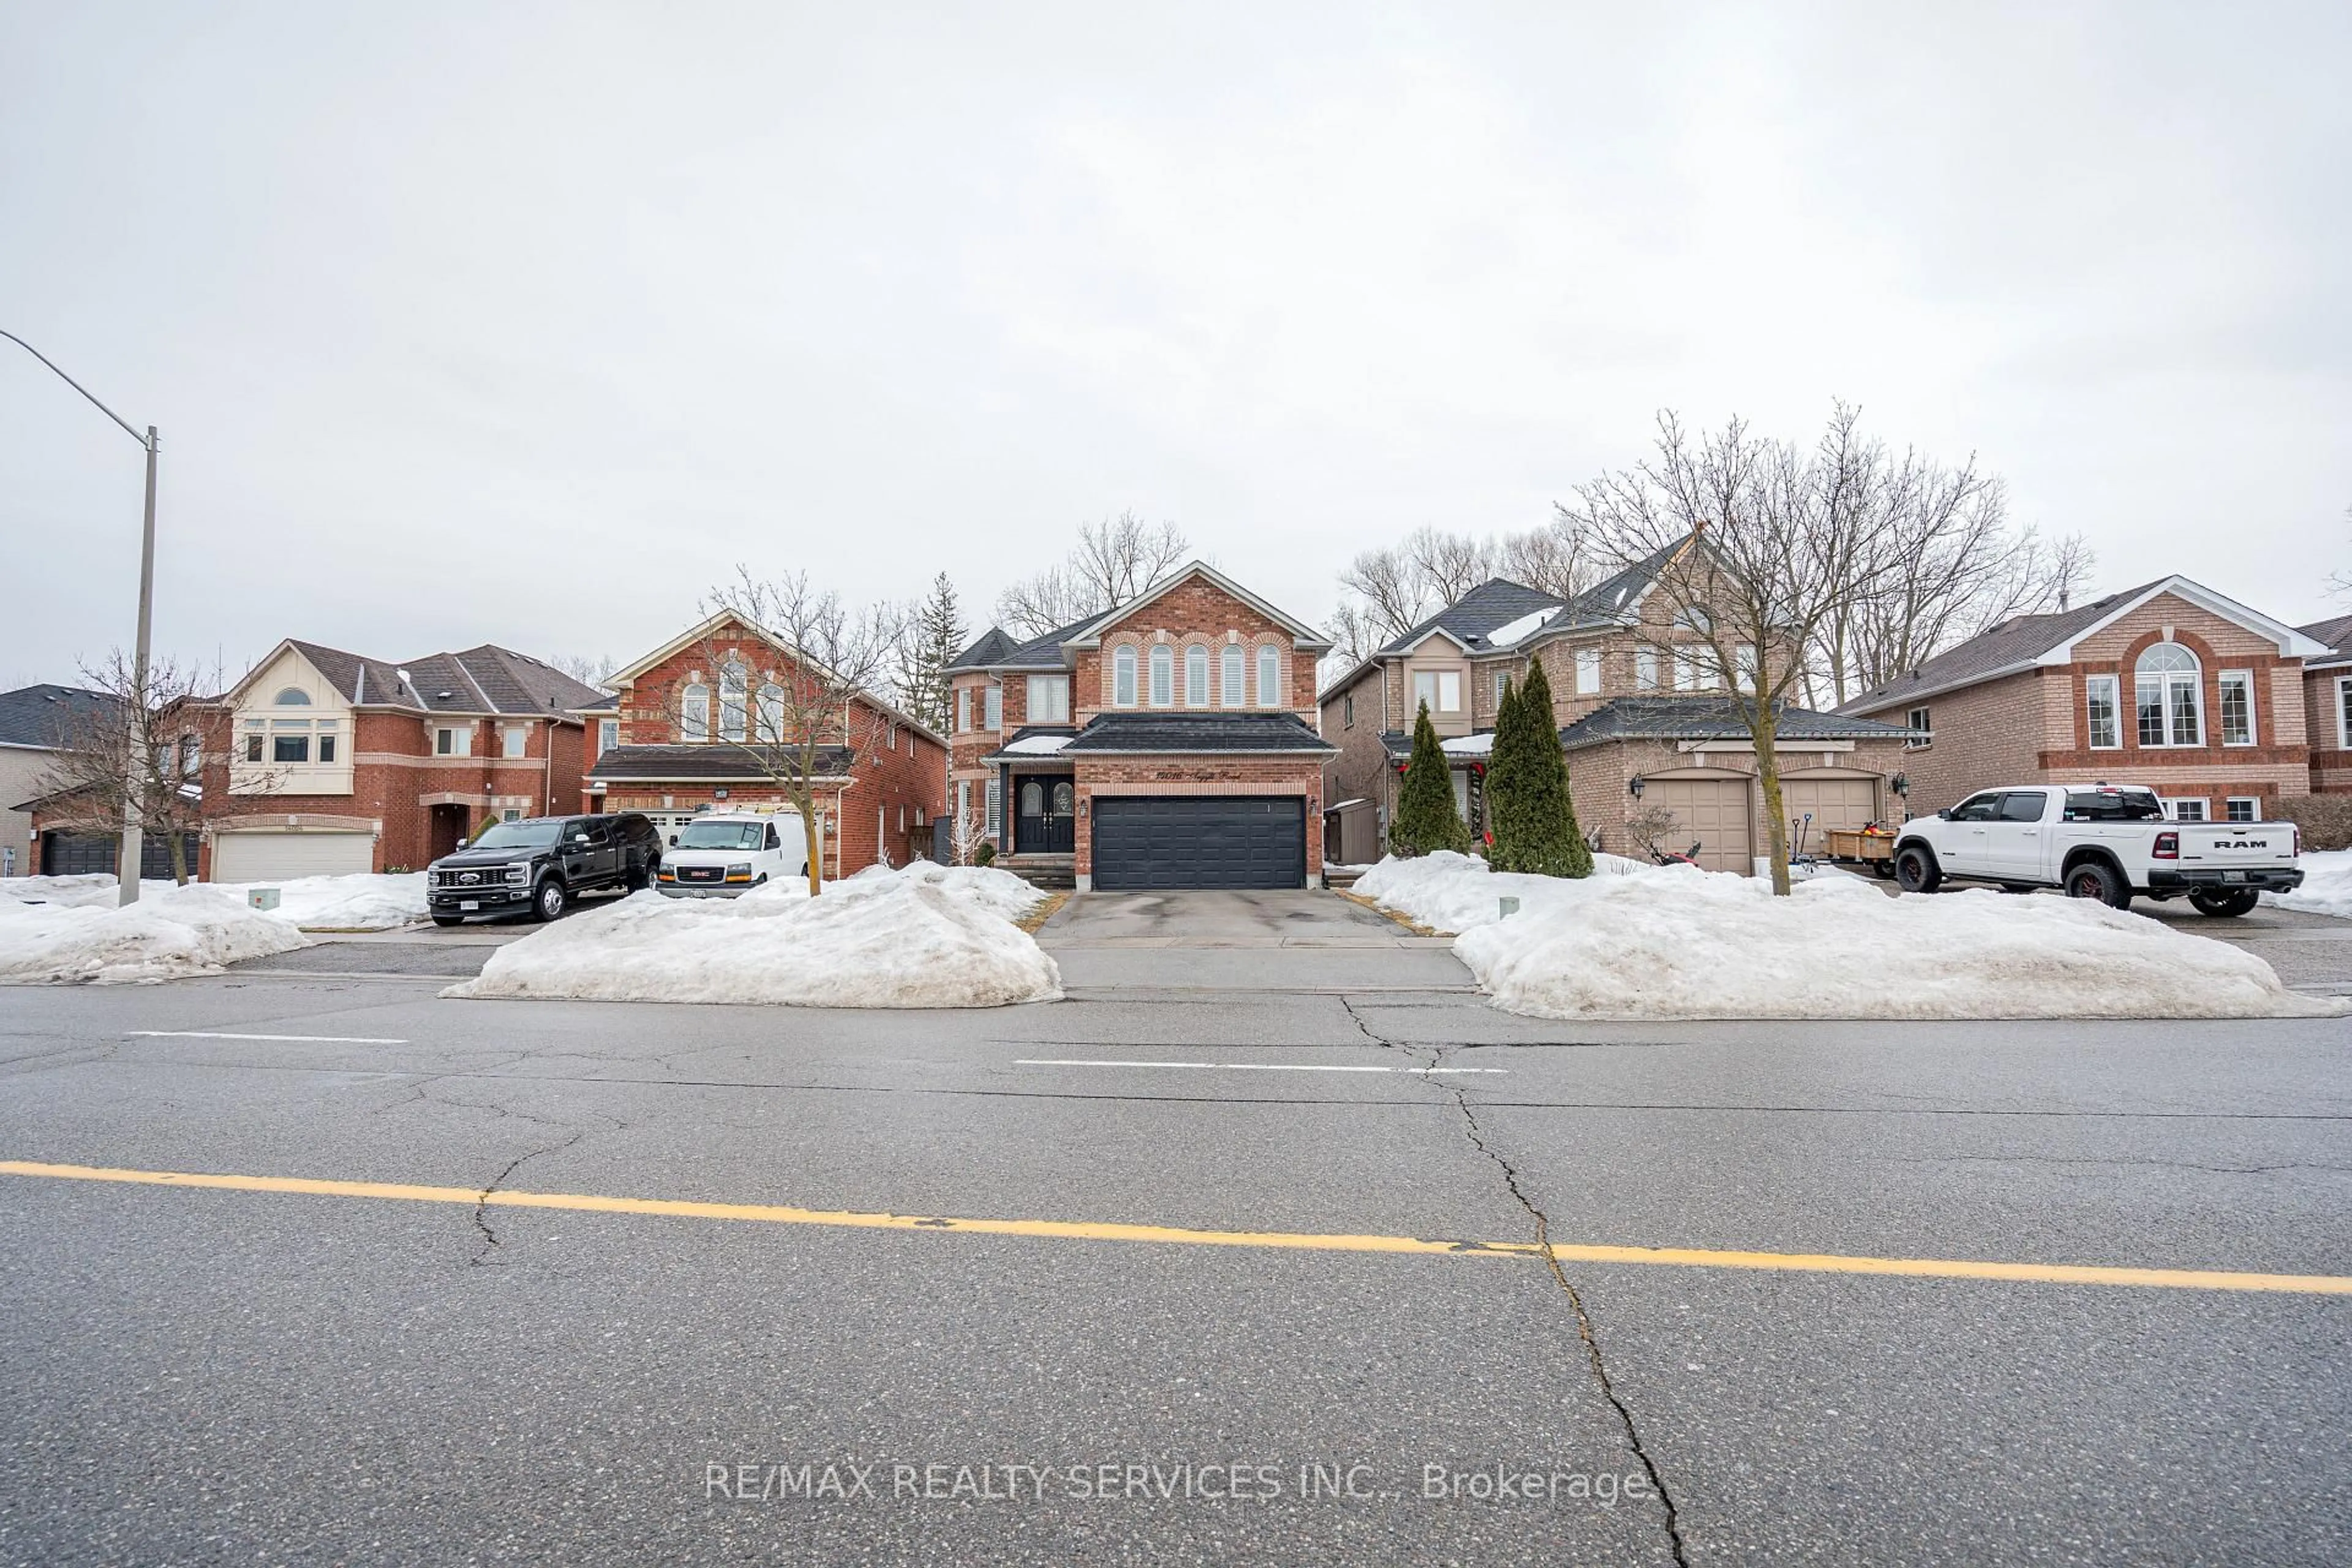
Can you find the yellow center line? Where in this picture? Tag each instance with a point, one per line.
(1309, 1241)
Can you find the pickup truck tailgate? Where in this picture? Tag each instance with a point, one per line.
(2236, 845)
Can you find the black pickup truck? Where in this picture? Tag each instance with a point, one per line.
(537, 865)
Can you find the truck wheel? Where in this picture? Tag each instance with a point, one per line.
(1915, 870)
(1883, 869)
(641, 878)
(2226, 906)
(2097, 879)
(548, 903)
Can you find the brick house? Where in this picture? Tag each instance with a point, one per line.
(335, 762)
(36, 723)
(2328, 709)
(1643, 716)
(2167, 685)
(689, 731)
(1167, 742)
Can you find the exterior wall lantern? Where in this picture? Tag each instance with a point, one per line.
(1633, 787)
(1900, 783)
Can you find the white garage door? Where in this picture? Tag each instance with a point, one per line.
(1844, 804)
(1712, 813)
(282, 856)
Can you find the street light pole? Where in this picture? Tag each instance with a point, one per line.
(127, 857)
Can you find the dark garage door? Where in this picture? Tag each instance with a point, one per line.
(1200, 841)
(92, 854)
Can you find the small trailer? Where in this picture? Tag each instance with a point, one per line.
(1870, 846)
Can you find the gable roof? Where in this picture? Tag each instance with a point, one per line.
(1302, 636)
(1044, 651)
(1497, 602)
(2033, 642)
(694, 633)
(2337, 637)
(42, 718)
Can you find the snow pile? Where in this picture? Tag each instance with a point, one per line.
(363, 901)
(169, 934)
(1452, 892)
(1678, 943)
(2326, 884)
(926, 936)
(91, 893)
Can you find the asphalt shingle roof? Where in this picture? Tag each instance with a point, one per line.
(1197, 732)
(2336, 634)
(654, 764)
(45, 716)
(988, 648)
(2012, 642)
(484, 679)
(1711, 718)
(1496, 602)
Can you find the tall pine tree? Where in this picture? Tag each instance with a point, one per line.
(1528, 804)
(1426, 818)
(933, 635)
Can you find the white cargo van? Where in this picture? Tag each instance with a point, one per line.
(722, 854)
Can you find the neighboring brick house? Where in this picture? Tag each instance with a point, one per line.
(35, 721)
(1642, 717)
(336, 762)
(2328, 709)
(696, 728)
(2167, 685)
(1167, 742)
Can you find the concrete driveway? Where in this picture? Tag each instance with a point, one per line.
(1291, 939)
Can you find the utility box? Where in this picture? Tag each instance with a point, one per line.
(261, 897)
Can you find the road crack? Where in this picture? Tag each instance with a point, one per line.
(1584, 1328)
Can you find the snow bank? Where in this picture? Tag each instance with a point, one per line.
(360, 902)
(2326, 884)
(1452, 892)
(1677, 943)
(169, 934)
(926, 936)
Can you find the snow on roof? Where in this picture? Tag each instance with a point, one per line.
(1510, 632)
(1470, 745)
(1039, 743)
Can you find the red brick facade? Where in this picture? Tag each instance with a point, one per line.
(881, 810)
(2034, 726)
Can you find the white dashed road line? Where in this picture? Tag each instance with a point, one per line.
(1244, 1066)
(306, 1039)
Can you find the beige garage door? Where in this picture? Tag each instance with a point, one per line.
(1713, 813)
(282, 856)
(1846, 803)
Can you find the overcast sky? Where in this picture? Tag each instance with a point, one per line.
(526, 324)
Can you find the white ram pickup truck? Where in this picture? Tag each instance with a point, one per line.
(2097, 842)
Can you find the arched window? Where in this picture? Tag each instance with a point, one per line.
(771, 712)
(1234, 679)
(293, 697)
(1163, 676)
(694, 712)
(1122, 666)
(2167, 681)
(1269, 677)
(1196, 677)
(734, 700)
(1033, 799)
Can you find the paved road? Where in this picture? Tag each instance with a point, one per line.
(382, 1372)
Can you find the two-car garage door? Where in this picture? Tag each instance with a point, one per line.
(281, 856)
(1198, 841)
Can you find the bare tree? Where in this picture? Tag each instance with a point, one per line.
(967, 832)
(1115, 560)
(789, 682)
(146, 746)
(1765, 543)
(589, 670)
(1388, 590)
(1957, 570)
